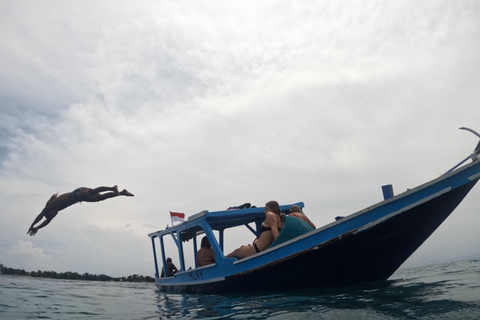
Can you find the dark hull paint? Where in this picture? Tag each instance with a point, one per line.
(369, 255)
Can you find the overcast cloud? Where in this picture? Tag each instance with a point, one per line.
(195, 105)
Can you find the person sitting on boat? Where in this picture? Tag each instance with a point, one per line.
(205, 255)
(271, 227)
(171, 268)
(57, 202)
(297, 212)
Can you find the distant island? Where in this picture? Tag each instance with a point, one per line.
(73, 275)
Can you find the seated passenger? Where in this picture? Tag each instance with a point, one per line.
(297, 212)
(171, 269)
(205, 255)
(271, 227)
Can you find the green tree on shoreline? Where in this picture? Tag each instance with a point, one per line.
(73, 275)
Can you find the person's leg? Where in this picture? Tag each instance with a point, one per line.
(114, 193)
(242, 252)
(95, 195)
(103, 189)
(103, 196)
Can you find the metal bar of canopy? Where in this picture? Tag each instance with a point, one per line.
(164, 260)
(195, 249)
(155, 257)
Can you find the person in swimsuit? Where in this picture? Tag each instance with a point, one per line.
(57, 202)
(271, 227)
(171, 269)
(297, 212)
(205, 255)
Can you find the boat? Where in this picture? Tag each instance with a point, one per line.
(369, 245)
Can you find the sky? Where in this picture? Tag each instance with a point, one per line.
(203, 105)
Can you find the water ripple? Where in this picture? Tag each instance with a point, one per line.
(446, 291)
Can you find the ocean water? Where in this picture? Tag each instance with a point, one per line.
(443, 291)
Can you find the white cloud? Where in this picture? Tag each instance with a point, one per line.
(25, 255)
(205, 105)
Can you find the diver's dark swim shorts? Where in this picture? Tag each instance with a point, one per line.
(79, 194)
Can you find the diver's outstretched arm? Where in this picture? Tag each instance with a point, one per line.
(34, 230)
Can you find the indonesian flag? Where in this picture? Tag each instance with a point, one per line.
(177, 216)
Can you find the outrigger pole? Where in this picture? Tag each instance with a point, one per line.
(475, 153)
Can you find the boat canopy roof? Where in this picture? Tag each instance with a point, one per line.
(219, 220)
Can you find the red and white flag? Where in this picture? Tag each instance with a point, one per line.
(177, 216)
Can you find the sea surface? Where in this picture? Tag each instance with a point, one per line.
(443, 291)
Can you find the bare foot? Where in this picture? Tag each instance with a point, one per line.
(126, 193)
(115, 189)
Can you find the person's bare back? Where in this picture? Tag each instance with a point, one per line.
(62, 201)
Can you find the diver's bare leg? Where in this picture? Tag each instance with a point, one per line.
(103, 189)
